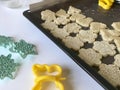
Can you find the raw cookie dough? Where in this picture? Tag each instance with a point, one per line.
(60, 33)
(116, 25)
(62, 13)
(61, 20)
(85, 22)
(110, 73)
(49, 25)
(105, 35)
(73, 42)
(48, 15)
(104, 48)
(72, 10)
(109, 35)
(72, 28)
(117, 43)
(96, 26)
(117, 60)
(77, 16)
(90, 56)
(87, 36)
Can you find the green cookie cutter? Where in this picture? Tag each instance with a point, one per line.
(23, 48)
(7, 67)
(6, 41)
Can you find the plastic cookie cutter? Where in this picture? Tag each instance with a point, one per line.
(106, 4)
(23, 48)
(7, 67)
(45, 73)
(6, 41)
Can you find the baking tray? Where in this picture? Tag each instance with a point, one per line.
(90, 9)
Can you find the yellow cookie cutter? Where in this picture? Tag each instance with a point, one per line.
(106, 4)
(43, 74)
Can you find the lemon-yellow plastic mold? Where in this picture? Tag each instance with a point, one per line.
(105, 4)
(45, 73)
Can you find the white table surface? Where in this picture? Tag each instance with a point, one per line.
(14, 24)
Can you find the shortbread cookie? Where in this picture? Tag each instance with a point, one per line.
(72, 28)
(110, 73)
(60, 33)
(106, 35)
(77, 16)
(96, 26)
(104, 48)
(87, 36)
(109, 35)
(90, 56)
(117, 60)
(73, 42)
(48, 15)
(49, 25)
(85, 22)
(72, 10)
(62, 13)
(61, 20)
(117, 43)
(116, 25)
(114, 33)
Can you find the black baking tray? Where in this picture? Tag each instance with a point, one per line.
(91, 9)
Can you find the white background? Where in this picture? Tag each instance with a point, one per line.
(14, 24)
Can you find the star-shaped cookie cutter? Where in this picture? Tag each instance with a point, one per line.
(45, 73)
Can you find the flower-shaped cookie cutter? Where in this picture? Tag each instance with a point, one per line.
(6, 41)
(23, 48)
(45, 73)
(106, 4)
(7, 66)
